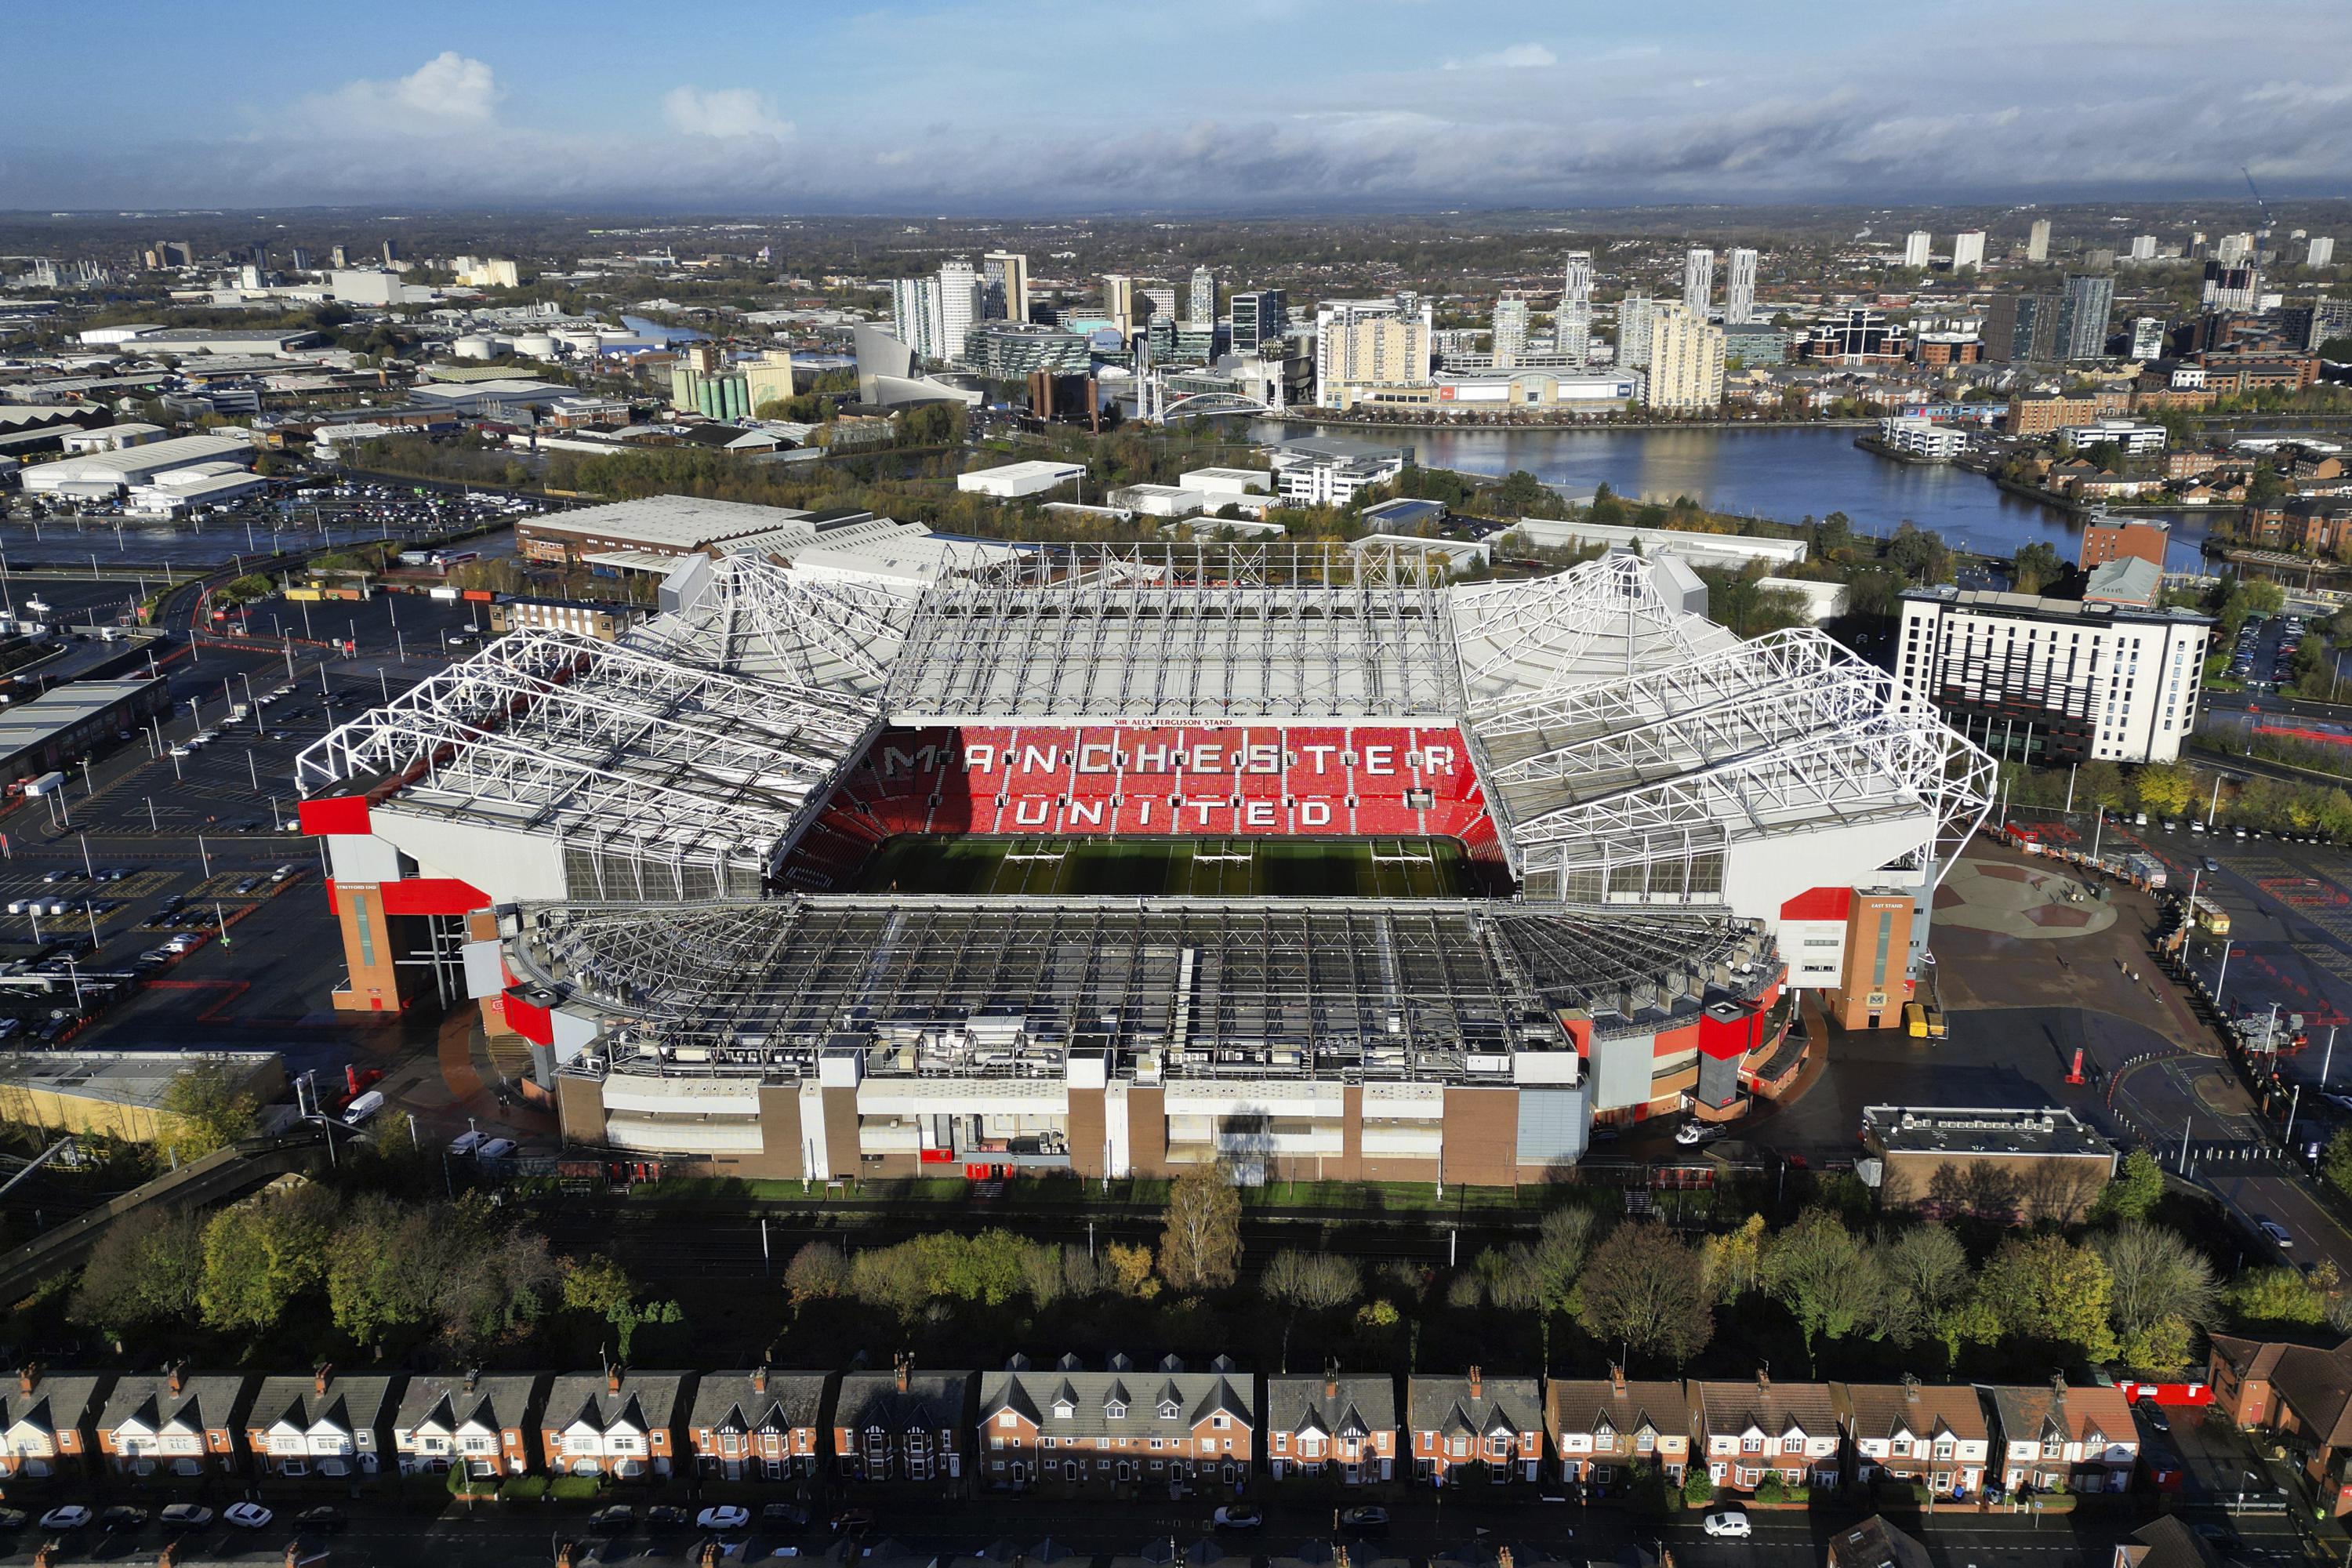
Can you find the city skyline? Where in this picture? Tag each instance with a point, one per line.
(1506, 104)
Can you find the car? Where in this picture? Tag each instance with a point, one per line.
(282, 873)
(14, 1519)
(466, 1142)
(2275, 1231)
(187, 1516)
(1690, 1134)
(1367, 1517)
(665, 1516)
(62, 876)
(247, 1516)
(1238, 1516)
(853, 1521)
(72, 1516)
(617, 1519)
(496, 1149)
(324, 1519)
(784, 1516)
(123, 1516)
(2340, 1101)
(2211, 864)
(18, 906)
(1730, 1523)
(722, 1516)
(2151, 1413)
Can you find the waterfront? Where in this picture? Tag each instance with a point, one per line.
(1781, 472)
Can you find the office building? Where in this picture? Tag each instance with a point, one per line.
(1968, 250)
(1698, 281)
(961, 307)
(1856, 335)
(914, 307)
(1158, 302)
(1634, 313)
(2019, 329)
(1510, 338)
(1005, 274)
(2053, 681)
(1752, 343)
(2037, 240)
(1011, 350)
(1739, 289)
(1685, 364)
(2142, 247)
(1119, 303)
(1918, 248)
(1913, 437)
(1368, 341)
(1201, 305)
(1572, 328)
(299, 259)
(2084, 306)
(391, 253)
(1261, 322)
(338, 255)
(2148, 338)
(2320, 251)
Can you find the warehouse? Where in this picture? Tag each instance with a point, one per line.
(106, 475)
(51, 730)
(664, 525)
(1014, 480)
(121, 1094)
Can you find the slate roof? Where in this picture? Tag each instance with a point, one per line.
(59, 1402)
(444, 1400)
(1445, 1405)
(1874, 1543)
(1727, 1409)
(2166, 1542)
(2027, 1410)
(1165, 1400)
(2317, 1381)
(932, 1401)
(1330, 1405)
(793, 1399)
(1583, 1403)
(211, 1402)
(1879, 1410)
(357, 1403)
(648, 1401)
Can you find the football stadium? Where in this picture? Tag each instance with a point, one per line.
(1109, 859)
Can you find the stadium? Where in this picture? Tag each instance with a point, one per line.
(1106, 861)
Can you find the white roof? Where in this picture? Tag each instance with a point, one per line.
(674, 522)
(135, 463)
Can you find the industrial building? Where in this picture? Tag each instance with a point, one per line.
(121, 1094)
(72, 721)
(2031, 1164)
(108, 476)
(1034, 477)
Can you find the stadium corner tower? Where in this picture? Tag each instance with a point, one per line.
(1105, 860)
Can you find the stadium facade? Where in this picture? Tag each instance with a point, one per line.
(644, 856)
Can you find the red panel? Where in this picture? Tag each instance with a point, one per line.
(1819, 904)
(333, 814)
(533, 1023)
(1720, 1038)
(333, 907)
(433, 896)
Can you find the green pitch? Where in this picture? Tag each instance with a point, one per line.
(1154, 868)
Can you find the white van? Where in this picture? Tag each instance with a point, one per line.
(363, 1107)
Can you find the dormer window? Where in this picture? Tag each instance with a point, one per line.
(1902, 1448)
(1169, 1410)
(1793, 1445)
(2052, 1446)
(1114, 1410)
(2093, 1441)
(1064, 1410)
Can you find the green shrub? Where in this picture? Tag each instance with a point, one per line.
(523, 1489)
(575, 1489)
(1698, 1491)
(1771, 1490)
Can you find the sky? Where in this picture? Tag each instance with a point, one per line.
(1115, 105)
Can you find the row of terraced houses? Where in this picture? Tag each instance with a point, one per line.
(1071, 1425)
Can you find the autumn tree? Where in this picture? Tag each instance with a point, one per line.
(2271, 1297)
(1310, 1282)
(205, 1110)
(1733, 1262)
(2048, 1289)
(2136, 1189)
(1201, 1235)
(817, 1272)
(260, 1255)
(141, 1277)
(1820, 1271)
(1925, 1272)
(1642, 1289)
(2162, 1289)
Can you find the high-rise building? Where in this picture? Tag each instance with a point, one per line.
(1006, 275)
(2321, 251)
(1685, 367)
(2037, 240)
(2234, 248)
(1118, 302)
(340, 256)
(391, 253)
(1968, 250)
(299, 258)
(2146, 338)
(1918, 248)
(1739, 289)
(1634, 313)
(914, 307)
(960, 308)
(1698, 281)
(1261, 321)
(2232, 288)
(1162, 299)
(1368, 341)
(2019, 329)
(1510, 331)
(2085, 304)
(1572, 327)
(177, 253)
(2142, 247)
(1201, 306)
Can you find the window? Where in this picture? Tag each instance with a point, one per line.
(2052, 1446)
(1792, 1445)
(1751, 1444)
(1006, 1418)
(1943, 1447)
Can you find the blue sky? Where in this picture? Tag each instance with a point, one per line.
(1108, 106)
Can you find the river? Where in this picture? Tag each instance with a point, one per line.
(1785, 473)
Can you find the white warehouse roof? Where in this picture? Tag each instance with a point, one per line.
(137, 464)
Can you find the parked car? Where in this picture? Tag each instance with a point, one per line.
(617, 1519)
(1690, 1134)
(14, 1519)
(187, 1516)
(496, 1149)
(723, 1516)
(2152, 1413)
(466, 1142)
(123, 1517)
(72, 1516)
(324, 1519)
(784, 1516)
(1238, 1516)
(247, 1516)
(1367, 1517)
(853, 1521)
(1730, 1522)
(665, 1516)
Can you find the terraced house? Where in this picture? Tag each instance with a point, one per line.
(616, 1423)
(1932, 1433)
(326, 1424)
(1082, 1429)
(1473, 1425)
(757, 1425)
(902, 1425)
(1759, 1429)
(1605, 1429)
(481, 1423)
(1332, 1425)
(44, 1423)
(172, 1422)
(2053, 1436)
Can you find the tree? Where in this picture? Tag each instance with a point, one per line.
(817, 1272)
(1128, 1269)
(1521, 493)
(1920, 554)
(2164, 789)
(1925, 1271)
(207, 1110)
(142, 1276)
(497, 1282)
(2035, 566)
(595, 1285)
(1733, 1262)
(2336, 1161)
(2275, 1297)
(1201, 1234)
(1820, 1272)
(2161, 1289)
(1643, 1289)
(2137, 1187)
(260, 1255)
(2048, 1289)
(384, 1269)
(1310, 1282)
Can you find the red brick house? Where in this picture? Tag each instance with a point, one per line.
(45, 1424)
(1078, 1428)
(1604, 1429)
(2302, 1395)
(618, 1422)
(757, 1425)
(173, 1424)
(1332, 1425)
(1474, 1424)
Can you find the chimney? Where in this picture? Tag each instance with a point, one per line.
(178, 1375)
(905, 1365)
(326, 1373)
(760, 1379)
(1331, 1386)
(2058, 1384)
(613, 1377)
(473, 1376)
(1473, 1382)
(28, 1377)
(1911, 1387)
(1763, 1377)
(1617, 1378)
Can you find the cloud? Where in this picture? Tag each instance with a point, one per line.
(1516, 56)
(723, 112)
(448, 92)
